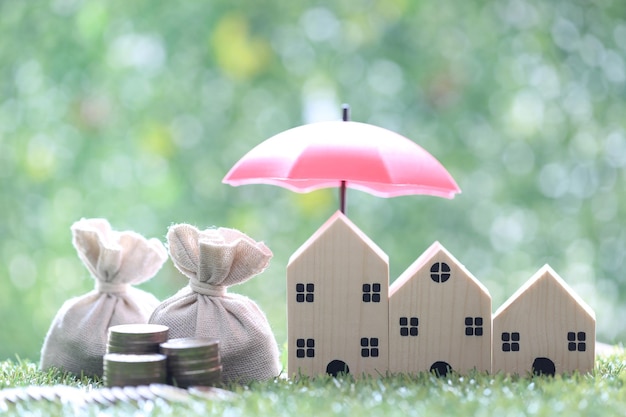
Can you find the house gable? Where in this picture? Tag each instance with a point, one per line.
(439, 313)
(337, 302)
(545, 327)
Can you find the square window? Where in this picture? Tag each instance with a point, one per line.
(576, 341)
(371, 293)
(305, 292)
(369, 347)
(510, 341)
(473, 326)
(408, 326)
(301, 352)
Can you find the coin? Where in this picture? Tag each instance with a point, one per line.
(211, 393)
(169, 393)
(124, 369)
(192, 361)
(190, 346)
(136, 338)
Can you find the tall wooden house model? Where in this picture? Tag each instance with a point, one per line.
(342, 315)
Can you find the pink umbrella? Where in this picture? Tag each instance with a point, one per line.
(343, 153)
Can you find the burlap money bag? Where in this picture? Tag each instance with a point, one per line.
(76, 340)
(213, 260)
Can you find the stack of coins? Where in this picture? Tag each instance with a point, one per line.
(136, 338)
(122, 370)
(192, 361)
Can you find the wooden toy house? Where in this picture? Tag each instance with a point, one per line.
(337, 303)
(439, 317)
(342, 315)
(544, 328)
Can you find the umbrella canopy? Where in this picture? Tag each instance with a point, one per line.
(343, 153)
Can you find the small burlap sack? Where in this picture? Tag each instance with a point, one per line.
(77, 338)
(213, 260)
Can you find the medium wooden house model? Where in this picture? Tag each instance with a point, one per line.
(439, 317)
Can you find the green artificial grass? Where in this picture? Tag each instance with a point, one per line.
(599, 394)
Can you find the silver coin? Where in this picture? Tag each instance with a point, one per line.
(70, 395)
(176, 362)
(108, 395)
(201, 372)
(189, 346)
(131, 393)
(50, 393)
(138, 330)
(95, 396)
(10, 395)
(33, 392)
(144, 392)
(211, 393)
(169, 393)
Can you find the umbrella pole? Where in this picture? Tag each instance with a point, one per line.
(342, 190)
(342, 197)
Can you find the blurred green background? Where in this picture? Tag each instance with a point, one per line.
(134, 111)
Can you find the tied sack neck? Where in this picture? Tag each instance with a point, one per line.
(205, 288)
(111, 287)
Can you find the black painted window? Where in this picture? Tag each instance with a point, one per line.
(305, 348)
(473, 326)
(576, 342)
(510, 342)
(440, 272)
(304, 292)
(371, 293)
(369, 347)
(409, 326)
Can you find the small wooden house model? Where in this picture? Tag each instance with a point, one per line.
(544, 328)
(337, 303)
(439, 317)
